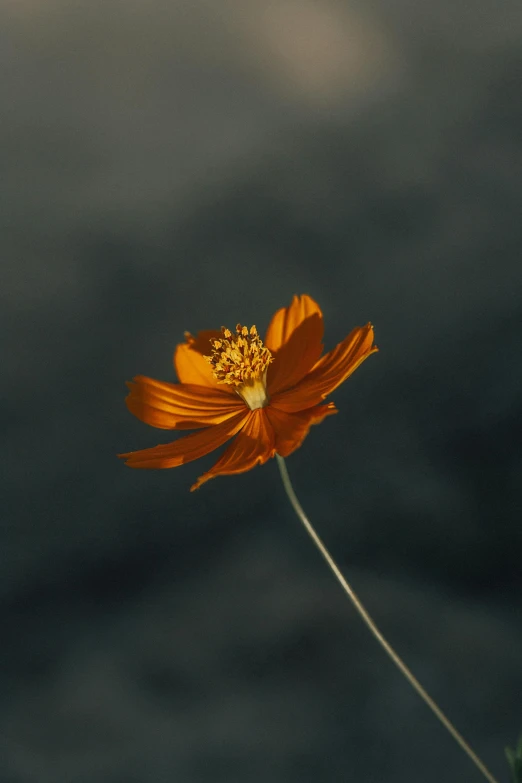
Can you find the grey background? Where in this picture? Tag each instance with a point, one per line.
(181, 165)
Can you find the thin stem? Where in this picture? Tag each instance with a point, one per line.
(399, 663)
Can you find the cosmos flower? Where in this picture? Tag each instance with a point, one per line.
(265, 395)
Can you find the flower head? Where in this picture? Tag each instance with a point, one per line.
(242, 360)
(265, 395)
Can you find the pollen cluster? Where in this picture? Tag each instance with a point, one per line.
(239, 359)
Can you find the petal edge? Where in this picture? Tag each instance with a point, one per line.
(294, 336)
(254, 445)
(188, 448)
(179, 406)
(292, 428)
(329, 372)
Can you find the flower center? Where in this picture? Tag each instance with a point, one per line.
(241, 360)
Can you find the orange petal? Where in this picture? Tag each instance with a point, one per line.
(329, 372)
(179, 406)
(253, 446)
(292, 428)
(170, 455)
(287, 319)
(294, 336)
(190, 365)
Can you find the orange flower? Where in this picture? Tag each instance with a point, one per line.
(267, 394)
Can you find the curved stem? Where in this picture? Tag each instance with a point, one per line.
(399, 663)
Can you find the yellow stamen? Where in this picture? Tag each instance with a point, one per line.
(241, 360)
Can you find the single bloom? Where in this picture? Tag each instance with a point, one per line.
(264, 395)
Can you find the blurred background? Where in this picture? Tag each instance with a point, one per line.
(172, 166)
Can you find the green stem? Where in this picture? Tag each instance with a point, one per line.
(399, 663)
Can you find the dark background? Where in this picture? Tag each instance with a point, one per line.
(181, 165)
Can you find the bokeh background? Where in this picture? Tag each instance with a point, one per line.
(181, 165)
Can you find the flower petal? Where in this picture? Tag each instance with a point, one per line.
(294, 336)
(179, 406)
(329, 372)
(253, 446)
(170, 455)
(287, 319)
(292, 428)
(190, 365)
